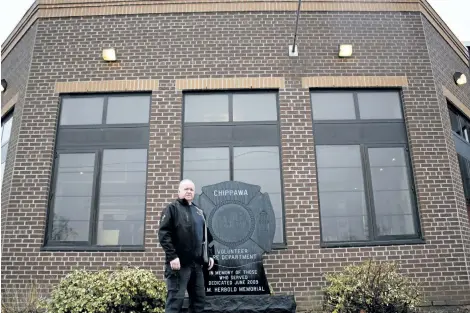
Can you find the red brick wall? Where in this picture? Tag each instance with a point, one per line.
(445, 63)
(196, 45)
(15, 70)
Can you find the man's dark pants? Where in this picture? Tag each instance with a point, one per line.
(190, 278)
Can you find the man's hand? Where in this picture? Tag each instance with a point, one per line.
(175, 264)
(211, 263)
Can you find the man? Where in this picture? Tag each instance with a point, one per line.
(182, 235)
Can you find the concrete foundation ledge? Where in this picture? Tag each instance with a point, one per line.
(250, 304)
(445, 309)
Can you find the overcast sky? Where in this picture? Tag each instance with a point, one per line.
(454, 12)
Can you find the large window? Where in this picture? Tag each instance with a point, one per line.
(99, 181)
(365, 185)
(6, 133)
(234, 136)
(461, 133)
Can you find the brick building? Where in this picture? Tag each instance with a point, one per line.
(363, 157)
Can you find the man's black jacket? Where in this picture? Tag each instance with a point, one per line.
(177, 234)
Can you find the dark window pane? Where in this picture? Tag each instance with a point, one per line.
(333, 106)
(73, 196)
(389, 178)
(206, 166)
(464, 172)
(206, 159)
(393, 212)
(454, 121)
(128, 109)
(352, 228)
(75, 178)
(391, 157)
(247, 158)
(1, 173)
(76, 208)
(269, 180)
(340, 179)
(343, 204)
(75, 175)
(6, 133)
(466, 133)
(459, 123)
(82, 111)
(338, 156)
(6, 130)
(122, 197)
(206, 108)
(338, 171)
(279, 233)
(121, 221)
(204, 178)
(4, 152)
(64, 229)
(342, 199)
(121, 229)
(390, 185)
(254, 107)
(345, 209)
(464, 128)
(395, 224)
(379, 105)
(260, 166)
(127, 182)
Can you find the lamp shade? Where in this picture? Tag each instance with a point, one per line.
(109, 54)
(345, 51)
(4, 85)
(460, 78)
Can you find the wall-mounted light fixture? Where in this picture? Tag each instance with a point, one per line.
(345, 51)
(293, 51)
(460, 78)
(109, 54)
(4, 85)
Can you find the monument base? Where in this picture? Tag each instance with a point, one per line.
(249, 304)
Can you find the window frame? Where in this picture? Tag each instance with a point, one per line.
(98, 150)
(93, 206)
(459, 140)
(9, 115)
(411, 191)
(231, 146)
(460, 116)
(374, 238)
(466, 168)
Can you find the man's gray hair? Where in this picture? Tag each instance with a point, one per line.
(185, 181)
